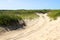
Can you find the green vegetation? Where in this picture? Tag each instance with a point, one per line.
(54, 14)
(7, 16)
(25, 14)
(11, 17)
(7, 20)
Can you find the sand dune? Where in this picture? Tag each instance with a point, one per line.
(37, 29)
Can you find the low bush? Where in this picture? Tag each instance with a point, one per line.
(54, 14)
(6, 20)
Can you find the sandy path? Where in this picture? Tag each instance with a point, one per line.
(38, 29)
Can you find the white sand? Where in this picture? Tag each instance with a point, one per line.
(38, 29)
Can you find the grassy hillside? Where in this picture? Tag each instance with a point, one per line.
(12, 17)
(23, 13)
(53, 14)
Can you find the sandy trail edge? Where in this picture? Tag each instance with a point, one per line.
(38, 29)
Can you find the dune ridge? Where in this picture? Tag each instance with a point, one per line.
(40, 28)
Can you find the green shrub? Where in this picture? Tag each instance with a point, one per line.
(6, 20)
(54, 14)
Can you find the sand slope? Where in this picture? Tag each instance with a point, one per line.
(37, 29)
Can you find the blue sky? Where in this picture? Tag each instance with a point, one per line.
(29, 4)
